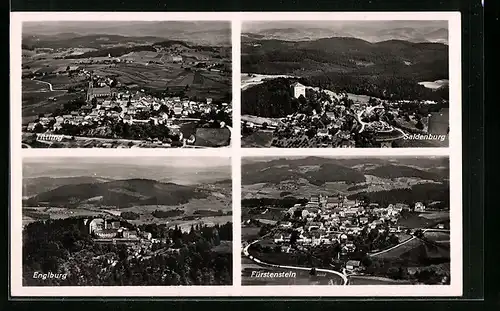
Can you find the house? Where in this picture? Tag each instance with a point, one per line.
(352, 265)
(419, 207)
(363, 220)
(286, 224)
(314, 199)
(278, 238)
(31, 126)
(348, 248)
(96, 224)
(402, 207)
(333, 202)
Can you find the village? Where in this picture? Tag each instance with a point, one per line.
(353, 227)
(347, 121)
(105, 108)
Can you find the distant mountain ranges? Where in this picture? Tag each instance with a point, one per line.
(311, 175)
(73, 191)
(197, 33)
(319, 171)
(411, 34)
(114, 45)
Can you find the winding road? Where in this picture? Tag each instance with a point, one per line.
(51, 88)
(246, 253)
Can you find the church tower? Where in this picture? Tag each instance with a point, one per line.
(90, 90)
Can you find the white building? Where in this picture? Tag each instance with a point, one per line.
(298, 89)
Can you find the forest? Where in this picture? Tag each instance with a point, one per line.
(425, 193)
(185, 258)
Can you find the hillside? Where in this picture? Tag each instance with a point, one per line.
(396, 171)
(36, 185)
(425, 193)
(114, 51)
(275, 173)
(389, 69)
(120, 193)
(73, 40)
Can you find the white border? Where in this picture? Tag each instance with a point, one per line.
(454, 151)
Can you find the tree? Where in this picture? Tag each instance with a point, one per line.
(419, 125)
(39, 128)
(264, 125)
(312, 272)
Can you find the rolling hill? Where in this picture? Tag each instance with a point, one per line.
(280, 170)
(36, 185)
(395, 171)
(389, 69)
(120, 193)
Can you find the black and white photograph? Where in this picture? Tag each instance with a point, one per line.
(346, 220)
(345, 84)
(126, 221)
(126, 84)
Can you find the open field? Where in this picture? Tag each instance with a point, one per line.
(35, 103)
(29, 85)
(418, 252)
(437, 236)
(64, 81)
(435, 84)
(258, 139)
(249, 233)
(417, 220)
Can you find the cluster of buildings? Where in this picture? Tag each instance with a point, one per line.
(127, 107)
(102, 228)
(331, 123)
(335, 219)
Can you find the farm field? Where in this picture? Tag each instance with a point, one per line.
(63, 82)
(35, 103)
(437, 236)
(29, 85)
(418, 252)
(417, 220)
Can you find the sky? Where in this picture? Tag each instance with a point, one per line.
(177, 162)
(125, 28)
(180, 170)
(251, 26)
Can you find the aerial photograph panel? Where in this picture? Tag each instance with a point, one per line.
(344, 84)
(345, 221)
(126, 221)
(126, 84)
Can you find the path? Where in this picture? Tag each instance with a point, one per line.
(246, 253)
